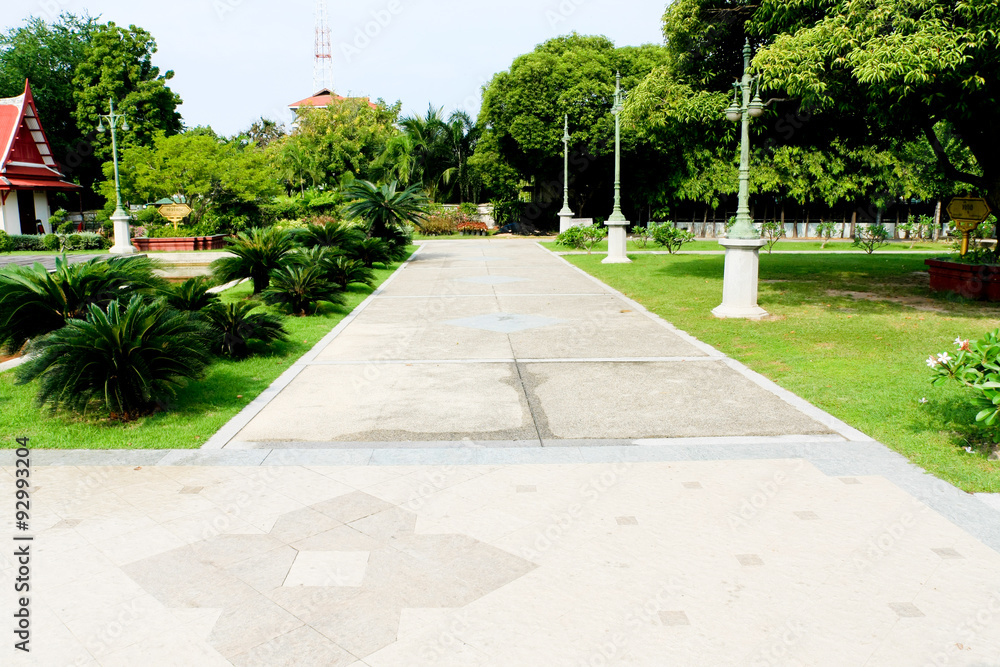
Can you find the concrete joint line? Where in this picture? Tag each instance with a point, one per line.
(788, 397)
(239, 422)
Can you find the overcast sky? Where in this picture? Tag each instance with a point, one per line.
(237, 60)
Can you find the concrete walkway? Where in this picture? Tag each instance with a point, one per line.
(499, 461)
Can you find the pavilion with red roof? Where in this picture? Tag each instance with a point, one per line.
(28, 171)
(323, 99)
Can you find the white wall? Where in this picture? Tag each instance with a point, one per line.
(10, 221)
(42, 211)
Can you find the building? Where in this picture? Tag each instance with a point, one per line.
(28, 171)
(323, 99)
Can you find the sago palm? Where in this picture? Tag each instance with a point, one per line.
(382, 208)
(192, 295)
(128, 357)
(301, 288)
(255, 255)
(343, 271)
(34, 302)
(371, 252)
(235, 327)
(330, 235)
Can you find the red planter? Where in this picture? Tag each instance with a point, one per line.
(973, 281)
(186, 244)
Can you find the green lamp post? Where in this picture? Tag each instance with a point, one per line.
(617, 223)
(566, 214)
(739, 292)
(121, 219)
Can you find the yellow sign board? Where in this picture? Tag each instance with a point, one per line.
(968, 213)
(175, 212)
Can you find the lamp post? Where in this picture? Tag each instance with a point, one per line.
(617, 222)
(739, 292)
(123, 243)
(566, 214)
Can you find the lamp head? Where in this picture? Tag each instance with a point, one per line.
(100, 127)
(733, 113)
(756, 107)
(125, 125)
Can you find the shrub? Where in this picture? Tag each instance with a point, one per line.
(6, 245)
(73, 242)
(572, 238)
(593, 234)
(773, 232)
(234, 327)
(826, 231)
(370, 252)
(476, 228)
(58, 218)
(397, 239)
(439, 224)
(65, 228)
(190, 296)
(343, 271)
(671, 238)
(871, 237)
(301, 288)
(52, 242)
(326, 232)
(642, 235)
(129, 358)
(34, 302)
(469, 210)
(28, 242)
(256, 254)
(977, 367)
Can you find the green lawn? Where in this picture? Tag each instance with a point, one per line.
(860, 360)
(782, 246)
(200, 410)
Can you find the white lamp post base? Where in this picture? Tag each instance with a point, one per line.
(565, 222)
(617, 240)
(739, 291)
(123, 242)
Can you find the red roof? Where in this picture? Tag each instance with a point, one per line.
(325, 98)
(26, 159)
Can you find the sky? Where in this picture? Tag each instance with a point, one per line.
(237, 60)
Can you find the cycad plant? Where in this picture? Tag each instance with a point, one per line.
(235, 327)
(331, 234)
(34, 302)
(343, 271)
(256, 254)
(371, 251)
(301, 288)
(192, 295)
(384, 208)
(129, 357)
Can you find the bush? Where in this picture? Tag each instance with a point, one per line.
(343, 271)
(671, 238)
(871, 237)
(572, 238)
(66, 228)
(440, 224)
(51, 242)
(642, 235)
(130, 359)
(826, 232)
(325, 232)
(773, 231)
(371, 252)
(469, 210)
(6, 245)
(167, 231)
(58, 218)
(397, 239)
(190, 296)
(28, 242)
(301, 288)
(975, 367)
(234, 328)
(256, 254)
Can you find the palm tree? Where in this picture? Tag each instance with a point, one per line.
(371, 252)
(382, 208)
(343, 271)
(255, 255)
(130, 357)
(234, 327)
(192, 295)
(331, 234)
(300, 288)
(34, 302)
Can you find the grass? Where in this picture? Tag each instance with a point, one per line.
(861, 360)
(782, 246)
(200, 409)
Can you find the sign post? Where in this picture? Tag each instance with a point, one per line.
(968, 213)
(175, 212)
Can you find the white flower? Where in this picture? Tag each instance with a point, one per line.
(932, 362)
(969, 450)
(923, 400)
(944, 357)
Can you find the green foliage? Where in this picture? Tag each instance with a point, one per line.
(6, 244)
(168, 231)
(343, 271)
(642, 235)
(29, 242)
(917, 228)
(301, 288)
(772, 231)
(871, 237)
(236, 327)
(383, 208)
(34, 302)
(573, 238)
(129, 358)
(469, 210)
(371, 251)
(190, 296)
(827, 230)
(592, 235)
(64, 228)
(51, 242)
(81, 241)
(977, 367)
(256, 254)
(667, 235)
(326, 232)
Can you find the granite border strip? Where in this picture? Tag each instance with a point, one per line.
(797, 402)
(598, 360)
(12, 364)
(222, 437)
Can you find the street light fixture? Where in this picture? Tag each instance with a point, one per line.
(739, 292)
(121, 219)
(617, 238)
(566, 214)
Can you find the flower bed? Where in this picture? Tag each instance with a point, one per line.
(185, 244)
(473, 228)
(973, 281)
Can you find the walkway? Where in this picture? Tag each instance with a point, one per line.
(500, 461)
(48, 261)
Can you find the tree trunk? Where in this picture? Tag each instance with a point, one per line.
(854, 224)
(937, 220)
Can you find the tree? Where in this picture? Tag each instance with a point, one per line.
(383, 208)
(254, 254)
(118, 65)
(213, 175)
(907, 65)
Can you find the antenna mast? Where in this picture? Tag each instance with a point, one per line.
(323, 65)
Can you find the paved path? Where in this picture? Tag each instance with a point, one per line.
(48, 261)
(499, 461)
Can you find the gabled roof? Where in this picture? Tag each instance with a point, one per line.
(26, 159)
(323, 99)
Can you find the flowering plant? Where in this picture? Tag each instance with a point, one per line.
(976, 365)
